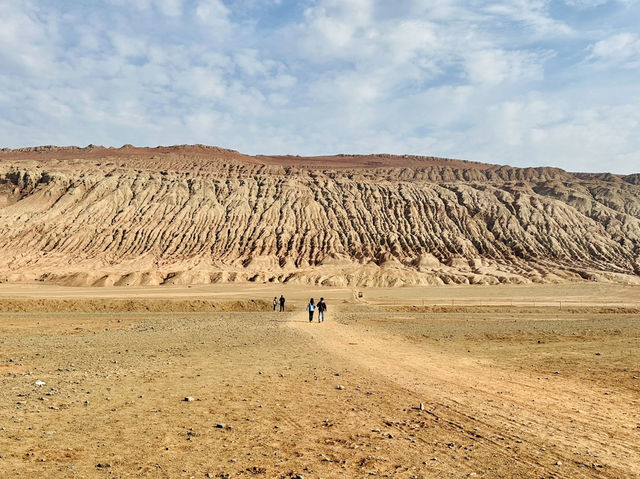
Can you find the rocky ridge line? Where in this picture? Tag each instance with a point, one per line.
(194, 214)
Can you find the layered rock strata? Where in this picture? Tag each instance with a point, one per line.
(195, 214)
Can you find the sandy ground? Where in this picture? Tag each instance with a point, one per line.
(531, 390)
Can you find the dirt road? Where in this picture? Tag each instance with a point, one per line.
(540, 426)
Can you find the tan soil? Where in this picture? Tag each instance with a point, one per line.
(504, 393)
(49, 305)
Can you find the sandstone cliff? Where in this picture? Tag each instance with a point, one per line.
(196, 214)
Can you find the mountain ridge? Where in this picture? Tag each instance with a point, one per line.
(197, 214)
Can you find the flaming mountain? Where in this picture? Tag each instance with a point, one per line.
(198, 214)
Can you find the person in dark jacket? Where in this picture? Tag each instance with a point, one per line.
(322, 307)
(281, 303)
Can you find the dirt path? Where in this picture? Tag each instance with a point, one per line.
(552, 425)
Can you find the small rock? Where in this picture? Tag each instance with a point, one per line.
(39, 383)
(220, 425)
(188, 399)
(340, 388)
(103, 465)
(559, 463)
(421, 407)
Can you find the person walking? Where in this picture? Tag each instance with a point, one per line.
(281, 303)
(322, 307)
(311, 307)
(275, 302)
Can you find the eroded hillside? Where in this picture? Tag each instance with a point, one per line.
(194, 214)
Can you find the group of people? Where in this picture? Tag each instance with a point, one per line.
(280, 301)
(321, 306)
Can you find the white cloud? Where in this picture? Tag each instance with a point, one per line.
(203, 83)
(128, 46)
(532, 14)
(251, 63)
(585, 3)
(172, 8)
(24, 43)
(621, 47)
(492, 66)
(213, 13)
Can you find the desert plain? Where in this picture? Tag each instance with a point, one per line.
(509, 381)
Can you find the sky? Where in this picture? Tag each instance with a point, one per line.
(520, 82)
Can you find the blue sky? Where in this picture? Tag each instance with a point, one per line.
(524, 83)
